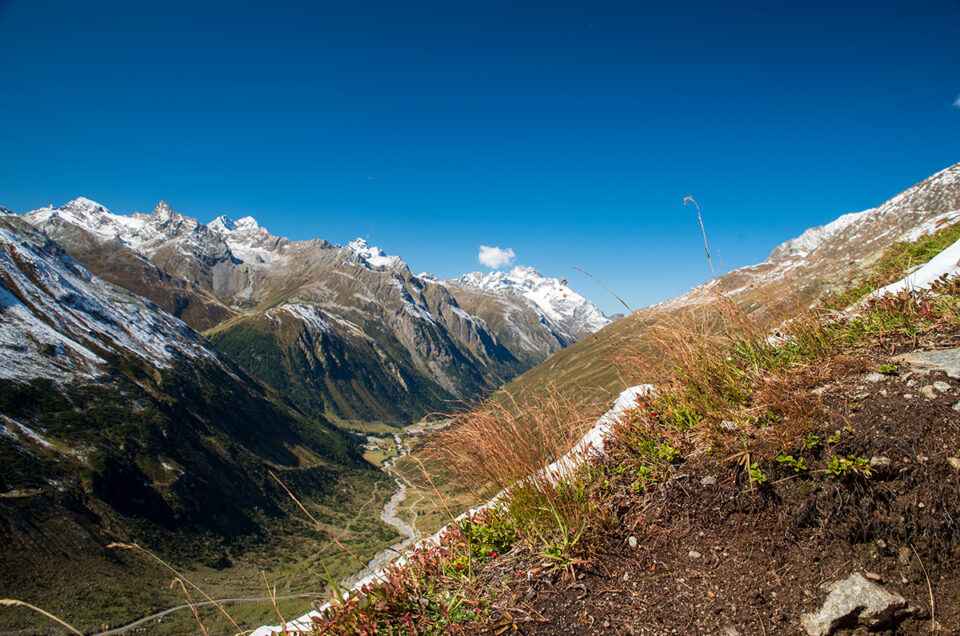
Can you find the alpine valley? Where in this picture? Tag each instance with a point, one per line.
(164, 381)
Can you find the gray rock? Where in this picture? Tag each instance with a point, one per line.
(954, 462)
(709, 480)
(946, 360)
(875, 377)
(928, 392)
(632, 541)
(855, 601)
(956, 407)
(941, 386)
(693, 554)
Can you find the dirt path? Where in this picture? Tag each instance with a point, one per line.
(171, 610)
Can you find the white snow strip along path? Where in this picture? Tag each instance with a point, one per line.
(946, 262)
(590, 445)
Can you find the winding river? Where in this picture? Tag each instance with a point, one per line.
(390, 516)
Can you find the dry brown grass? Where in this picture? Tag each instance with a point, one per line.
(495, 446)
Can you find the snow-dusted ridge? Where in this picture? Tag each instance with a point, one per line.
(56, 317)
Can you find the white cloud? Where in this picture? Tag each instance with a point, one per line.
(957, 103)
(494, 257)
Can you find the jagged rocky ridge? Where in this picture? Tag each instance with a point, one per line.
(343, 331)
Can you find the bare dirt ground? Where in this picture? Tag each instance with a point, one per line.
(712, 554)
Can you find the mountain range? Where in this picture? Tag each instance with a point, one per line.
(343, 332)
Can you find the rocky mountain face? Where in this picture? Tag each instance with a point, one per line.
(344, 331)
(830, 257)
(822, 259)
(530, 314)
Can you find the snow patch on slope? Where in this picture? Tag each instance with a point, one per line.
(946, 263)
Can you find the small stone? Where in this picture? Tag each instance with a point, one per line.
(956, 407)
(709, 480)
(954, 462)
(911, 383)
(904, 555)
(908, 396)
(853, 601)
(875, 377)
(883, 392)
(880, 464)
(873, 576)
(728, 425)
(820, 389)
(693, 554)
(632, 541)
(626, 576)
(921, 505)
(861, 396)
(728, 630)
(928, 392)
(941, 386)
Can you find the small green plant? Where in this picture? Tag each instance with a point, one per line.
(835, 438)
(810, 442)
(756, 475)
(887, 369)
(796, 463)
(559, 549)
(840, 466)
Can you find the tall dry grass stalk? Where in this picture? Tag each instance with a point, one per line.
(497, 445)
(10, 602)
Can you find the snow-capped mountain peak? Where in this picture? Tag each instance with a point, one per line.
(223, 224)
(163, 211)
(372, 254)
(556, 302)
(83, 205)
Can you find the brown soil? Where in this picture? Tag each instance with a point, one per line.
(716, 557)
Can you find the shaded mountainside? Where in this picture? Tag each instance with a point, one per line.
(823, 259)
(118, 422)
(347, 332)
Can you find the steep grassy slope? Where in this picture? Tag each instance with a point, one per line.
(837, 256)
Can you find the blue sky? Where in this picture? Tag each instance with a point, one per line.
(568, 132)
